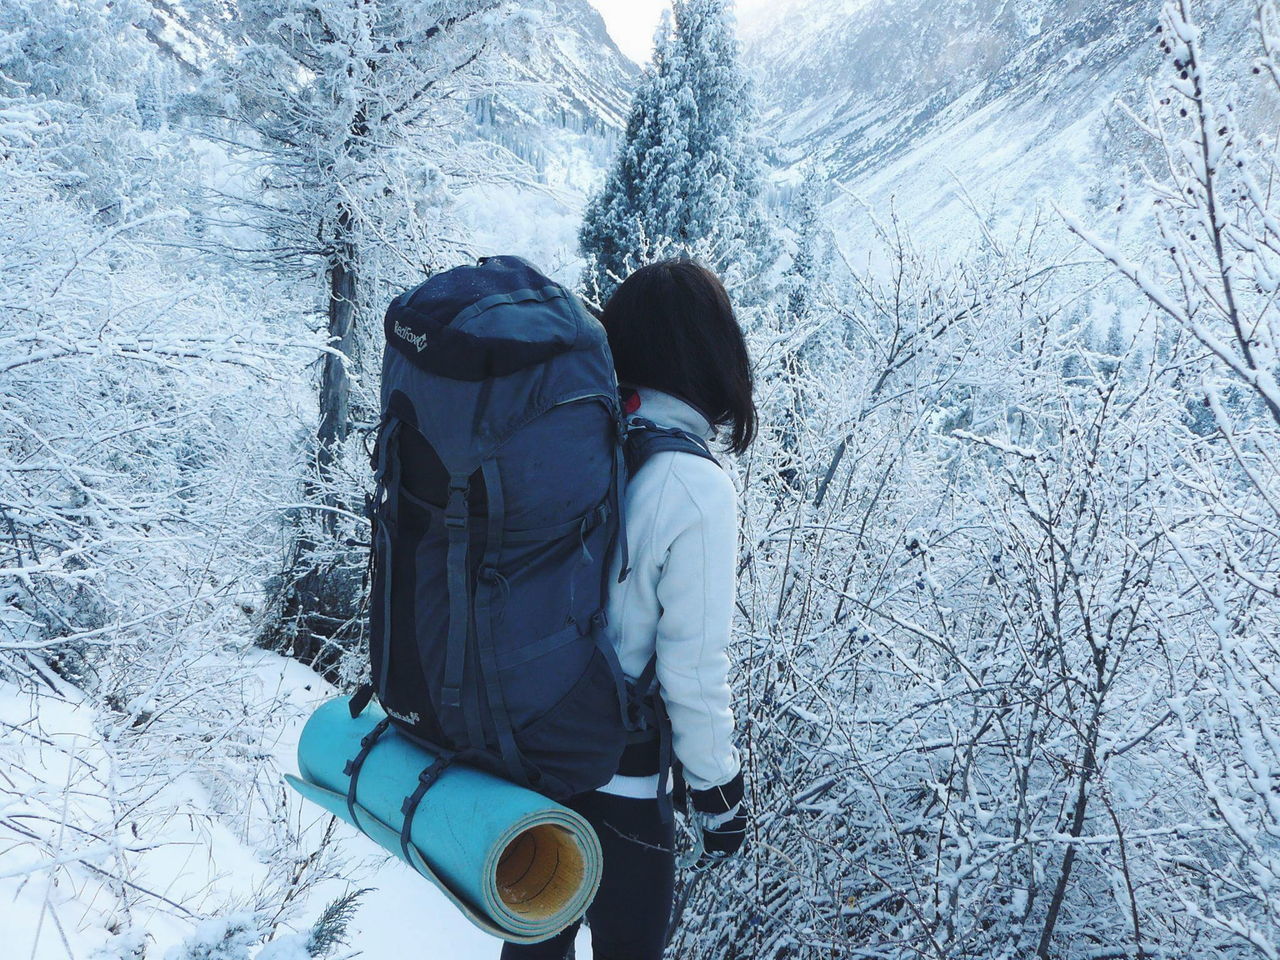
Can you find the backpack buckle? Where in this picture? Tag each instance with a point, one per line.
(457, 509)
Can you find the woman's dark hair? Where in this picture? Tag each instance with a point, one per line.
(671, 327)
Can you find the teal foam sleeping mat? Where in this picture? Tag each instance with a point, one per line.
(519, 866)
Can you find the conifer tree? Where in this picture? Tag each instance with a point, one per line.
(687, 177)
(801, 286)
(810, 261)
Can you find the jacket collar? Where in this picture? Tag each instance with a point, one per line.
(670, 411)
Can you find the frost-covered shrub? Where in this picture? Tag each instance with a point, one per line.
(127, 945)
(1213, 283)
(1008, 634)
(142, 415)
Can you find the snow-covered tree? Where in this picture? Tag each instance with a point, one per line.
(80, 66)
(687, 177)
(811, 259)
(146, 421)
(813, 343)
(350, 119)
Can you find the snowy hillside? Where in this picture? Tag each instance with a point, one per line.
(586, 80)
(566, 128)
(919, 103)
(148, 844)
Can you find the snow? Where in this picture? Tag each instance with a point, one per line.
(881, 97)
(179, 846)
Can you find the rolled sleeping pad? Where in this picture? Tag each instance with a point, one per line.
(519, 866)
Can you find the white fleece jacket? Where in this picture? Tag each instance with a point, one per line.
(682, 516)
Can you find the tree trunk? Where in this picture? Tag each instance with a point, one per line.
(320, 600)
(335, 386)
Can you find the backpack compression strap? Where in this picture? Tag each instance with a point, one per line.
(486, 656)
(458, 694)
(426, 779)
(356, 764)
(386, 479)
(456, 518)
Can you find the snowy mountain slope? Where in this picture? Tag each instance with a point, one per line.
(566, 128)
(919, 103)
(565, 125)
(587, 79)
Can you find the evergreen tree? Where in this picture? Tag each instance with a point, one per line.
(687, 177)
(801, 286)
(812, 255)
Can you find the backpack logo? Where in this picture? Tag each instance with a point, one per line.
(409, 718)
(406, 334)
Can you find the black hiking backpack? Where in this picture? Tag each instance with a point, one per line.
(500, 463)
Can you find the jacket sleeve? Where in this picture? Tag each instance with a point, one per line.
(696, 598)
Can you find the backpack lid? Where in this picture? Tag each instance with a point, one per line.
(489, 320)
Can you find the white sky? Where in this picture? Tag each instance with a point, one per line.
(631, 22)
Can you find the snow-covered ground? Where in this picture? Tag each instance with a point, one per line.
(97, 851)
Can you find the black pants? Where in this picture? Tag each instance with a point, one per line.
(628, 918)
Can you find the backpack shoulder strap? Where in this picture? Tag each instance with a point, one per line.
(641, 439)
(645, 438)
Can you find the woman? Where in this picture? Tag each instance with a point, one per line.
(682, 361)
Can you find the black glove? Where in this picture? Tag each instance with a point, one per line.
(722, 819)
